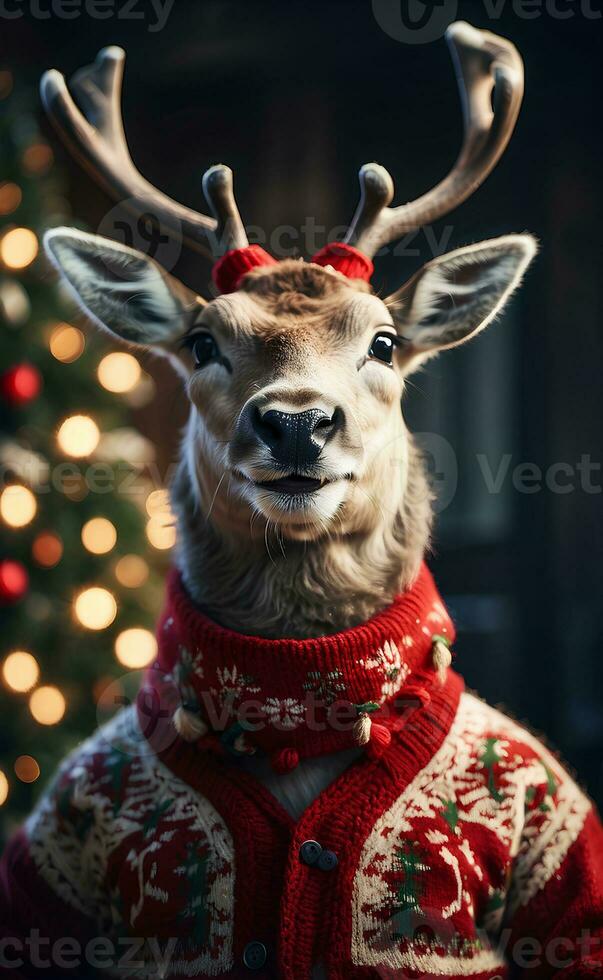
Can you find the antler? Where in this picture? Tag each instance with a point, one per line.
(490, 77)
(96, 136)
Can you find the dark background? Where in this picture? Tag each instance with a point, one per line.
(295, 97)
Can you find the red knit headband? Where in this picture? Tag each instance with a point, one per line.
(228, 271)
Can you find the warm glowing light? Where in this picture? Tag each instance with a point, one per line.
(131, 571)
(3, 788)
(78, 436)
(135, 648)
(26, 769)
(119, 372)
(161, 531)
(18, 248)
(37, 158)
(17, 505)
(10, 197)
(95, 608)
(66, 343)
(47, 705)
(47, 549)
(20, 671)
(161, 536)
(99, 535)
(158, 502)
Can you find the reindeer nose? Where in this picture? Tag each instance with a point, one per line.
(295, 439)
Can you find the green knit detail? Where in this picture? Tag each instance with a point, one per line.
(407, 908)
(367, 708)
(489, 758)
(327, 686)
(152, 821)
(450, 813)
(194, 871)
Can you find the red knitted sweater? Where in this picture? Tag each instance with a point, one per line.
(455, 846)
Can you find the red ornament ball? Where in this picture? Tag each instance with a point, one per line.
(21, 384)
(14, 581)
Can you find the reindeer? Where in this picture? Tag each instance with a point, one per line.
(301, 499)
(295, 380)
(303, 515)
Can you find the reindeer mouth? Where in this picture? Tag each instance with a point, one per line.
(294, 485)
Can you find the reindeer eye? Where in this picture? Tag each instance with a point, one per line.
(203, 348)
(382, 348)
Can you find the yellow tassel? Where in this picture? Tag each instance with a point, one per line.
(442, 658)
(189, 725)
(362, 729)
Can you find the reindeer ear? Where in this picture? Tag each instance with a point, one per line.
(455, 296)
(120, 289)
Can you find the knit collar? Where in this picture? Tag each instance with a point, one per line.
(231, 693)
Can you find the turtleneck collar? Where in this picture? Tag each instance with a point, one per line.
(232, 693)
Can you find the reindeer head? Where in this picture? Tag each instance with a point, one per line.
(295, 372)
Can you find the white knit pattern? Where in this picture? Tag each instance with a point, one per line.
(535, 842)
(75, 868)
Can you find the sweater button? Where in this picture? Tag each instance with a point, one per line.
(327, 861)
(255, 955)
(310, 852)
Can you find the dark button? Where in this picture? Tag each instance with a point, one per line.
(255, 955)
(327, 861)
(310, 852)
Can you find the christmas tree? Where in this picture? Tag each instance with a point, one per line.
(78, 594)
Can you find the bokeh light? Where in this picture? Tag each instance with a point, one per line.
(17, 505)
(131, 571)
(20, 671)
(47, 705)
(95, 608)
(27, 769)
(158, 503)
(161, 536)
(135, 648)
(18, 248)
(3, 788)
(47, 549)
(10, 197)
(66, 343)
(160, 529)
(37, 158)
(78, 436)
(99, 535)
(119, 372)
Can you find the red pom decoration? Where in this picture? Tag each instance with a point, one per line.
(14, 581)
(230, 269)
(345, 259)
(285, 761)
(21, 384)
(380, 740)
